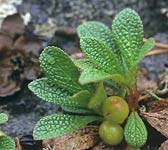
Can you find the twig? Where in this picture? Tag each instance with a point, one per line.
(143, 97)
(156, 52)
(18, 144)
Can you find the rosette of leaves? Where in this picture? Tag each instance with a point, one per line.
(6, 143)
(112, 55)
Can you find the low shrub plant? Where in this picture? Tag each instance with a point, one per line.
(78, 86)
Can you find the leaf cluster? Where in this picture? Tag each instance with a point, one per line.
(112, 55)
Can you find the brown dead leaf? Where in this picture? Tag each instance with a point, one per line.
(11, 72)
(13, 25)
(31, 45)
(18, 55)
(82, 139)
(144, 82)
(5, 41)
(164, 145)
(158, 120)
(159, 105)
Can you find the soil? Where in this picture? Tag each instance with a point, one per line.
(24, 108)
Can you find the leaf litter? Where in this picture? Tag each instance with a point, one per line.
(19, 55)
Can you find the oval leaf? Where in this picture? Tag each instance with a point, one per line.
(101, 55)
(127, 30)
(97, 30)
(49, 91)
(59, 125)
(135, 131)
(60, 68)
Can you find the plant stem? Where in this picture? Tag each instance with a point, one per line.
(132, 97)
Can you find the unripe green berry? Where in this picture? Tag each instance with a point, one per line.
(111, 133)
(115, 109)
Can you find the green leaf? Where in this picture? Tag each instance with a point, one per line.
(90, 73)
(98, 98)
(6, 143)
(127, 30)
(78, 110)
(135, 131)
(3, 118)
(49, 91)
(93, 75)
(147, 46)
(97, 30)
(60, 68)
(59, 125)
(84, 64)
(81, 97)
(101, 55)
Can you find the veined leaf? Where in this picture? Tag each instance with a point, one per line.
(84, 64)
(60, 68)
(3, 118)
(6, 143)
(81, 97)
(135, 131)
(49, 91)
(59, 125)
(147, 46)
(90, 73)
(101, 55)
(93, 75)
(127, 30)
(97, 30)
(98, 98)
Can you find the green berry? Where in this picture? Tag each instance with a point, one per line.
(111, 133)
(115, 109)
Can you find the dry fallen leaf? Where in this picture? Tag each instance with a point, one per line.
(5, 41)
(13, 25)
(158, 120)
(18, 55)
(30, 45)
(10, 75)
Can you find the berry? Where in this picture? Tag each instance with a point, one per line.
(115, 109)
(111, 133)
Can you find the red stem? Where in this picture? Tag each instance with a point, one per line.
(132, 97)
